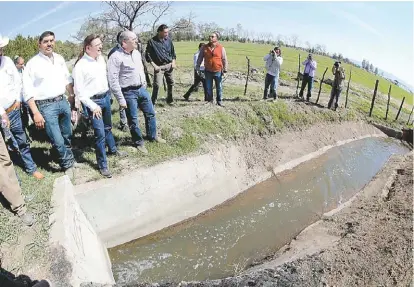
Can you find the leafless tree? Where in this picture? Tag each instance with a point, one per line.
(294, 40)
(126, 14)
(183, 23)
(159, 10)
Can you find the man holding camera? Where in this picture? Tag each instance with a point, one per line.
(273, 62)
(308, 75)
(339, 76)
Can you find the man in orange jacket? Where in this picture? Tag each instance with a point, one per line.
(215, 63)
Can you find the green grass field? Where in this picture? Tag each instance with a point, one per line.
(237, 52)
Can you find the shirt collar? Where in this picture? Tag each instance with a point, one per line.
(89, 58)
(125, 52)
(46, 57)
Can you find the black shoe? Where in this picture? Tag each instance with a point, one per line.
(105, 173)
(186, 97)
(220, 104)
(169, 100)
(123, 127)
(42, 283)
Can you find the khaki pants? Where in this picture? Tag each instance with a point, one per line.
(9, 186)
(166, 70)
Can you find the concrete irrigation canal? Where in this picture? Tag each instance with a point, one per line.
(258, 221)
(223, 213)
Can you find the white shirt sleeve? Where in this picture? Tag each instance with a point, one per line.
(68, 77)
(28, 88)
(279, 60)
(80, 88)
(141, 70)
(17, 80)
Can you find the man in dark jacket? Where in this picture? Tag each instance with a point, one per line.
(160, 54)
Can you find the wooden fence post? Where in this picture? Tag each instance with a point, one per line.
(399, 110)
(373, 97)
(347, 89)
(297, 86)
(248, 74)
(388, 103)
(320, 85)
(409, 118)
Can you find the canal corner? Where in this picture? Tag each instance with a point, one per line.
(76, 252)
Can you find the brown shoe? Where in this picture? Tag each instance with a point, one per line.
(38, 175)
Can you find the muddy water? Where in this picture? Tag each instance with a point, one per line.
(258, 221)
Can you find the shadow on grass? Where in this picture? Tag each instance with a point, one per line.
(5, 204)
(8, 279)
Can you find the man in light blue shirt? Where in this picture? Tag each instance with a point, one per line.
(308, 75)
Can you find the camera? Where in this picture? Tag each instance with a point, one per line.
(337, 64)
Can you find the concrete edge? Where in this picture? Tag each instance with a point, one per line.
(293, 163)
(76, 249)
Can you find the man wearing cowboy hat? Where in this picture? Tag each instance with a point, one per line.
(10, 101)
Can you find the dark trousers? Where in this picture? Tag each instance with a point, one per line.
(307, 80)
(135, 99)
(197, 80)
(25, 113)
(270, 81)
(335, 93)
(103, 131)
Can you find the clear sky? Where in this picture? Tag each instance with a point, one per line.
(381, 32)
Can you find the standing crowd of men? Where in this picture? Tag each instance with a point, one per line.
(35, 93)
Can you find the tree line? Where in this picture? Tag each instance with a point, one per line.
(27, 47)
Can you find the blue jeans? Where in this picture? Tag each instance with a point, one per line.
(103, 130)
(20, 138)
(217, 76)
(271, 81)
(141, 99)
(307, 80)
(59, 129)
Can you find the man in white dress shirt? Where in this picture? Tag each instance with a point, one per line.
(10, 101)
(9, 185)
(45, 80)
(91, 87)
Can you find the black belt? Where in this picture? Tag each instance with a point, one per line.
(126, 89)
(99, 96)
(56, 99)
